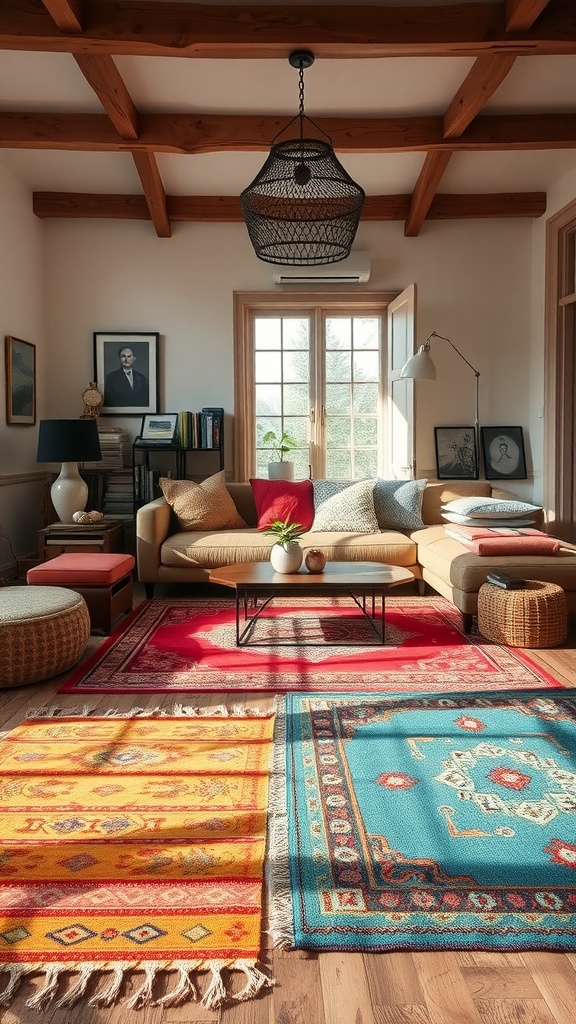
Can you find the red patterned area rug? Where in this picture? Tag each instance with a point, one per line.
(186, 645)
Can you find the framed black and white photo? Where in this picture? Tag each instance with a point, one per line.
(126, 371)
(161, 426)
(503, 453)
(456, 453)
(20, 382)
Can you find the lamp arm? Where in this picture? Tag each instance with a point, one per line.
(477, 395)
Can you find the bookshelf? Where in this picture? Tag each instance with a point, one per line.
(194, 460)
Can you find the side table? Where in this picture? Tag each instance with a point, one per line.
(62, 538)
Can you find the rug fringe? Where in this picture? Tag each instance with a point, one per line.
(277, 861)
(184, 989)
(15, 974)
(57, 711)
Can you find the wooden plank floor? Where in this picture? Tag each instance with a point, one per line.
(338, 988)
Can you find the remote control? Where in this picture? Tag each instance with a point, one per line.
(502, 579)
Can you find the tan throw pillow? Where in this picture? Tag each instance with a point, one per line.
(204, 506)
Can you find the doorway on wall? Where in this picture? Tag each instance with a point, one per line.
(559, 373)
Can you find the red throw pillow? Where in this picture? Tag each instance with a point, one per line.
(283, 499)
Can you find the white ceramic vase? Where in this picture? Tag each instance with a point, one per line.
(286, 559)
(280, 470)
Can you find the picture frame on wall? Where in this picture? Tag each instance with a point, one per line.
(503, 453)
(20, 382)
(126, 371)
(456, 453)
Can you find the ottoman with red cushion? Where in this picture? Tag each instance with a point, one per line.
(103, 580)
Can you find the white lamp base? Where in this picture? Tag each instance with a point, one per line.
(69, 492)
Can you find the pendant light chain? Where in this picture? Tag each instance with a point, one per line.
(301, 98)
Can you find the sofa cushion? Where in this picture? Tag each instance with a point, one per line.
(350, 511)
(491, 508)
(202, 506)
(283, 499)
(455, 517)
(398, 504)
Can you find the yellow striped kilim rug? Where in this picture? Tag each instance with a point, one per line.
(133, 844)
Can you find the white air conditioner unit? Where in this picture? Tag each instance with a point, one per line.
(353, 270)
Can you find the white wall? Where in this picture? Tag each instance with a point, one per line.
(22, 315)
(473, 281)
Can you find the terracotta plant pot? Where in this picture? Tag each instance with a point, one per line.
(315, 560)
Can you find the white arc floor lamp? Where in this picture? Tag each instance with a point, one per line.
(421, 367)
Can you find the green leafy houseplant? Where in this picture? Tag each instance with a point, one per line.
(284, 531)
(281, 445)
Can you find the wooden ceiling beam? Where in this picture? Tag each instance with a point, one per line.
(226, 209)
(520, 15)
(154, 193)
(66, 14)
(103, 76)
(482, 81)
(260, 32)
(208, 133)
(424, 191)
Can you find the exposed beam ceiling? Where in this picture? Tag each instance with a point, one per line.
(496, 34)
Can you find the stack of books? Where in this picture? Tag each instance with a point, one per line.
(115, 447)
(201, 429)
(118, 500)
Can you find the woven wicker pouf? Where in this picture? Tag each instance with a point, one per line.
(43, 631)
(535, 616)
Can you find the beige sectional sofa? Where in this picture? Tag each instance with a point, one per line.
(165, 554)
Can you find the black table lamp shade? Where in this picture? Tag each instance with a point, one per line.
(68, 441)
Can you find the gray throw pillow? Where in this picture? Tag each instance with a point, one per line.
(491, 508)
(398, 504)
(324, 489)
(350, 510)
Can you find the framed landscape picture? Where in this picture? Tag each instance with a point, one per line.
(456, 453)
(20, 382)
(126, 371)
(503, 453)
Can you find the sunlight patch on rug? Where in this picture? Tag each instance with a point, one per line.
(427, 822)
(133, 844)
(189, 645)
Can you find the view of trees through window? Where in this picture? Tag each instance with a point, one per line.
(317, 379)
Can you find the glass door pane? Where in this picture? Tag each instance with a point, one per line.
(352, 389)
(282, 387)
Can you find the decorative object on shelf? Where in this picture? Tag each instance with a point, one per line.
(456, 454)
(280, 445)
(161, 427)
(503, 451)
(92, 399)
(126, 369)
(20, 382)
(421, 367)
(87, 517)
(68, 442)
(303, 208)
(286, 554)
(315, 560)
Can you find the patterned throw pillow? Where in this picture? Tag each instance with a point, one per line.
(204, 506)
(491, 508)
(324, 489)
(398, 504)
(350, 510)
(283, 499)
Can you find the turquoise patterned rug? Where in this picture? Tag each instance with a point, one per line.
(428, 822)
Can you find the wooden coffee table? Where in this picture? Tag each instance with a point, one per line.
(364, 582)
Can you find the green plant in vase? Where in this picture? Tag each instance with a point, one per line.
(286, 554)
(279, 468)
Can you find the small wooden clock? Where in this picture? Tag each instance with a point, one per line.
(92, 399)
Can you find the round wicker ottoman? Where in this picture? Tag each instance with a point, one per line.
(535, 616)
(43, 631)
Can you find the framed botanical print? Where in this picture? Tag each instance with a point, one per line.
(20, 382)
(503, 451)
(126, 371)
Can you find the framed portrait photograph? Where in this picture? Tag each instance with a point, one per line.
(161, 427)
(503, 453)
(126, 371)
(456, 453)
(20, 382)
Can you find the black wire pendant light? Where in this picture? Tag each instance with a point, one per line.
(303, 208)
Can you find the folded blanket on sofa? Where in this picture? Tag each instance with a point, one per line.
(465, 533)
(513, 545)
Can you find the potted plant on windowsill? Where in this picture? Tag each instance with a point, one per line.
(280, 445)
(286, 554)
